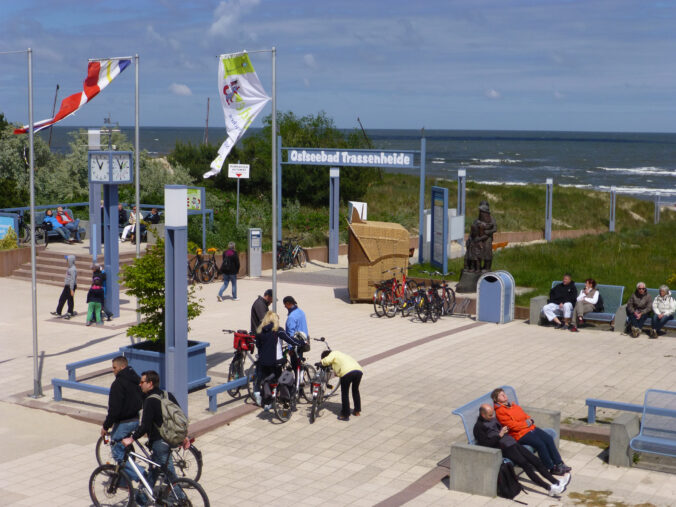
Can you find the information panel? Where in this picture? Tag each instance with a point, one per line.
(439, 246)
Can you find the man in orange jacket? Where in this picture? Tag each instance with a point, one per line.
(522, 429)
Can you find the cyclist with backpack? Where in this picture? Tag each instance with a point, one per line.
(229, 270)
(162, 423)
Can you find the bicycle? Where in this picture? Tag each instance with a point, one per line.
(428, 304)
(244, 348)
(303, 372)
(447, 294)
(111, 485)
(283, 407)
(24, 232)
(208, 269)
(290, 254)
(401, 296)
(321, 385)
(187, 462)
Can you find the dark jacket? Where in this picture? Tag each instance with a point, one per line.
(641, 303)
(487, 433)
(122, 217)
(232, 267)
(95, 294)
(563, 294)
(153, 219)
(152, 416)
(258, 311)
(270, 347)
(125, 398)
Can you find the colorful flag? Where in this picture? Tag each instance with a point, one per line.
(99, 75)
(242, 97)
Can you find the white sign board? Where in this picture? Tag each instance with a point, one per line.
(238, 171)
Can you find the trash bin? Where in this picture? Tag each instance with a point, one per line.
(495, 297)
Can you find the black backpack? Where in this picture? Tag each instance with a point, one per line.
(598, 307)
(227, 264)
(285, 385)
(508, 485)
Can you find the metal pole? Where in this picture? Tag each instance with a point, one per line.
(237, 216)
(611, 224)
(37, 384)
(137, 149)
(548, 210)
(274, 179)
(421, 204)
(657, 210)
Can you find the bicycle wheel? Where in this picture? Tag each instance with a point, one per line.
(206, 272)
(435, 306)
(422, 307)
(185, 492)
(307, 373)
(410, 292)
(378, 301)
(389, 304)
(40, 236)
(188, 463)
(300, 258)
(235, 371)
(251, 377)
(317, 404)
(104, 453)
(282, 407)
(108, 487)
(449, 301)
(331, 384)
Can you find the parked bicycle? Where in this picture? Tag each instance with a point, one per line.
(445, 292)
(187, 462)
(290, 254)
(393, 295)
(324, 385)
(24, 232)
(111, 485)
(202, 270)
(303, 372)
(244, 344)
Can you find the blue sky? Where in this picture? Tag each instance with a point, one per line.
(453, 64)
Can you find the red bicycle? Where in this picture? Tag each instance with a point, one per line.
(244, 344)
(400, 296)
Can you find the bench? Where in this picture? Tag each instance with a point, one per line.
(40, 216)
(656, 433)
(213, 392)
(612, 300)
(474, 468)
(72, 367)
(72, 383)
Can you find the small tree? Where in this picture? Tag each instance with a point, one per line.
(145, 280)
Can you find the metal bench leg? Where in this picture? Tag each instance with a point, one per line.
(591, 414)
(213, 403)
(57, 392)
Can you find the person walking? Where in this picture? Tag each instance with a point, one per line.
(350, 373)
(124, 403)
(259, 309)
(69, 287)
(95, 302)
(229, 269)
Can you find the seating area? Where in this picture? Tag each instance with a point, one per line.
(474, 468)
(52, 234)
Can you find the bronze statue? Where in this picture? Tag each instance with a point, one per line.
(479, 255)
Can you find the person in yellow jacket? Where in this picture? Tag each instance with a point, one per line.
(349, 372)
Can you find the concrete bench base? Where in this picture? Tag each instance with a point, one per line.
(474, 469)
(622, 430)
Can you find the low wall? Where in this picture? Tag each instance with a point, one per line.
(12, 259)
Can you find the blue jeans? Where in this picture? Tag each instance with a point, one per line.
(659, 323)
(229, 279)
(634, 322)
(544, 445)
(64, 234)
(120, 431)
(160, 452)
(74, 227)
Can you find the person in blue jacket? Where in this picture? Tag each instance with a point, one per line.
(295, 320)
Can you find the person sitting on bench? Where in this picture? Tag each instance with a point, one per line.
(561, 301)
(488, 433)
(522, 429)
(586, 301)
(664, 308)
(638, 309)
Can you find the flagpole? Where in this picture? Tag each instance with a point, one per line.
(37, 385)
(274, 179)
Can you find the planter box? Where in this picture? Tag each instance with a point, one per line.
(144, 356)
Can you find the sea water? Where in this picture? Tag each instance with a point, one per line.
(640, 164)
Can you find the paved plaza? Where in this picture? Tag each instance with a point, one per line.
(415, 374)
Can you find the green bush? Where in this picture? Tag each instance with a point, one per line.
(9, 241)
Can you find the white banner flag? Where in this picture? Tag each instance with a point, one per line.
(242, 97)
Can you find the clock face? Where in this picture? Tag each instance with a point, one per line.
(122, 167)
(99, 168)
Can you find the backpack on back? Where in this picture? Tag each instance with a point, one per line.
(174, 427)
(227, 263)
(508, 485)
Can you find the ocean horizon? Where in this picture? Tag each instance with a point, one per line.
(639, 164)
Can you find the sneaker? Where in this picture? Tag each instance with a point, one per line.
(559, 470)
(257, 398)
(235, 299)
(109, 319)
(343, 417)
(219, 298)
(555, 489)
(267, 408)
(565, 468)
(67, 316)
(56, 313)
(88, 324)
(356, 413)
(573, 329)
(73, 313)
(560, 325)
(565, 480)
(635, 332)
(653, 333)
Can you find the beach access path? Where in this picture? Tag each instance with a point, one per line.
(415, 374)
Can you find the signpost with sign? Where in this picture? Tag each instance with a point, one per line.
(238, 171)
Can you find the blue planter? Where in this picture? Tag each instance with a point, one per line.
(142, 357)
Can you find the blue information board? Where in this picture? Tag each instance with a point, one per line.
(8, 220)
(439, 243)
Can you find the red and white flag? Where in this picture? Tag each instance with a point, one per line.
(99, 75)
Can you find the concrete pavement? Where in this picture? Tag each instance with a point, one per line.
(408, 393)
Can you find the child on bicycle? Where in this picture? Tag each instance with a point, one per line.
(350, 373)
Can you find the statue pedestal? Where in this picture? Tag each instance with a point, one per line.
(468, 281)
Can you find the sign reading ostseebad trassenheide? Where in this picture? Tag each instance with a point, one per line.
(351, 158)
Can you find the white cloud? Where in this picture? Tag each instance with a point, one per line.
(180, 89)
(228, 13)
(310, 61)
(492, 94)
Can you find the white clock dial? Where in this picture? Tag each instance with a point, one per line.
(121, 168)
(99, 168)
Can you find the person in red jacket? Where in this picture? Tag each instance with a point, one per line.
(522, 428)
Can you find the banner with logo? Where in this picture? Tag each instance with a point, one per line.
(242, 98)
